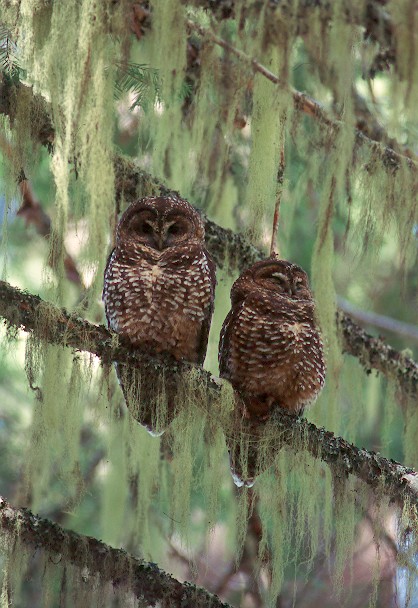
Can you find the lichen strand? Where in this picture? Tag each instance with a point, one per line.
(385, 206)
(407, 534)
(58, 381)
(196, 444)
(56, 425)
(270, 113)
(333, 178)
(410, 433)
(16, 556)
(167, 40)
(211, 116)
(145, 464)
(297, 487)
(75, 73)
(405, 82)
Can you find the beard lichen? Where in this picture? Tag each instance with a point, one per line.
(219, 142)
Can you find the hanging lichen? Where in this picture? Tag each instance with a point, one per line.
(215, 134)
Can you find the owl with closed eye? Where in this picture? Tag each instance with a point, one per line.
(159, 281)
(270, 348)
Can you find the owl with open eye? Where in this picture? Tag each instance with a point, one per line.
(159, 280)
(270, 347)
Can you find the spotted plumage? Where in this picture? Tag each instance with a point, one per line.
(160, 280)
(270, 347)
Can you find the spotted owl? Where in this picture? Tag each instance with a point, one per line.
(270, 347)
(160, 280)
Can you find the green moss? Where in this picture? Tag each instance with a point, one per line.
(220, 145)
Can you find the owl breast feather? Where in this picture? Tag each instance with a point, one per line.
(160, 303)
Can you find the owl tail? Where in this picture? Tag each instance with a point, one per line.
(148, 396)
(243, 467)
(243, 445)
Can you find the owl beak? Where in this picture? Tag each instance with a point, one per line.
(159, 241)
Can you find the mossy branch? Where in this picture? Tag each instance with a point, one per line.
(24, 310)
(390, 159)
(144, 580)
(228, 247)
(43, 130)
(374, 18)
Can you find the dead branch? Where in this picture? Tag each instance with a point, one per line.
(144, 579)
(32, 212)
(23, 310)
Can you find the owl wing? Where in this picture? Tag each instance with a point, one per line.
(204, 331)
(224, 341)
(108, 262)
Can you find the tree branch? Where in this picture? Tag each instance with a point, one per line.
(43, 131)
(27, 311)
(234, 249)
(371, 16)
(390, 159)
(406, 330)
(374, 353)
(144, 579)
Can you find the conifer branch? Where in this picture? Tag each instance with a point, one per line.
(26, 311)
(145, 580)
(43, 131)
(372, 16)
(390, 159)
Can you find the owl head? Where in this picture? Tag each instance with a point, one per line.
(160, 222)
(275, 276)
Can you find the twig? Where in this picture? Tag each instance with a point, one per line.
(144, 579)
(274, 247)
(23, 310)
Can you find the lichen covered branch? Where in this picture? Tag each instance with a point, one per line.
(144, 580)
(23, 310)
(390, 159)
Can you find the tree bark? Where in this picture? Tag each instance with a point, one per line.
(144, 580)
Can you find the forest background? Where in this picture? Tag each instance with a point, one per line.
(104, 102)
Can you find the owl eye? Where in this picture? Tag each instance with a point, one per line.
(280, 278)
(177, 229)
(140, 226)
(146, 228)
(298, 287)
(174, 229)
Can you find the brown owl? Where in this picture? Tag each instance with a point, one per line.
(270, 347)
(160, 280)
